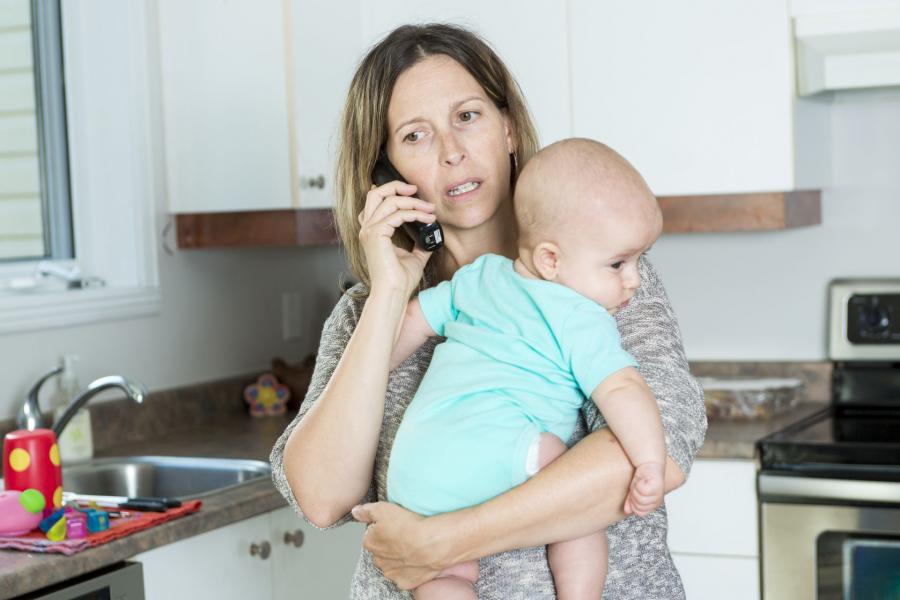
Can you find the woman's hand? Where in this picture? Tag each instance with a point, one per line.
(387, 208)
(401, 542)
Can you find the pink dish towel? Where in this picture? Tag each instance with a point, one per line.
(119, 527)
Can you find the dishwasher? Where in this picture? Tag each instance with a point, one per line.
(121, 581)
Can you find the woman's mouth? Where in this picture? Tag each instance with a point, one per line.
(463, 189)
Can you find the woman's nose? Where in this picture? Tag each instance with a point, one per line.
(452, 151)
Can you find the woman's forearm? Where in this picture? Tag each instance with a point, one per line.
(580, 492)
(341, 429)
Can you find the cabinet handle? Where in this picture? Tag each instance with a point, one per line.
(263, 549)
(313, 182)
(295, 538)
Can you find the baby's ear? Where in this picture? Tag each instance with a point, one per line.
(546, 260)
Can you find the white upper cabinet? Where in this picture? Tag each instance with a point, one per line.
(252, 93)
(225, 105)
(326, 45)
(699, 96)
(530, 37)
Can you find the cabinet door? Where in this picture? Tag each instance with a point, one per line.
(530, 36)
(225, 107)
(321, 566)
(326, 45)
(715, 512)
(714, 578)
(211, 566)
(698, 95)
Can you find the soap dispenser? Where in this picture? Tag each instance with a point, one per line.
(76, 442)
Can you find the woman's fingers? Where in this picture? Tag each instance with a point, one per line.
(395, 203)
(389, 224)
(377, 196)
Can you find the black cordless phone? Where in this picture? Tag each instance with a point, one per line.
(428, 236)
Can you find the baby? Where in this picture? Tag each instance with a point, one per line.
(527, 341)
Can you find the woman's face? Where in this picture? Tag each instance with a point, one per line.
(446, 137)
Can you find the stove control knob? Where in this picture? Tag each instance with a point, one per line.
(875, 318)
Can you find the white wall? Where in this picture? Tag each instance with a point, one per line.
(221, 316)
(762, 296)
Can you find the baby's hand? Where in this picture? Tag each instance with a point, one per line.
(646, 491)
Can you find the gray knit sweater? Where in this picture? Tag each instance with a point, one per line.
(640, 567)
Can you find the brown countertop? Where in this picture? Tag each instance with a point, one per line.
(737, 439)
(22, 572)
(243, 437)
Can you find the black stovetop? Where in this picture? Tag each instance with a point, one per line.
(860, 441)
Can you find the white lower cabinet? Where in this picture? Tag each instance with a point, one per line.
(713, 531)
(714, 577)
(275, 555)
(321, 567)
(211, 566)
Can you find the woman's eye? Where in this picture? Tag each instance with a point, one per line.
(617, 265)
(415, 136)
(467, 116)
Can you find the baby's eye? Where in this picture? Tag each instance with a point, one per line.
(617, 265)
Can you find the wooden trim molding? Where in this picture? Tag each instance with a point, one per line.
(741, 212)
(307, 227)
(315, 227)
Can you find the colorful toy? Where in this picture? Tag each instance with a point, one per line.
(31, 460)
(50, 520)
(20, 511)
(267, 396)
(76, 524)
(97, 520)
(57, 531)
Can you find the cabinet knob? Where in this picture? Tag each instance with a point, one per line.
(313, 182)
(295, 538)
(262, 549)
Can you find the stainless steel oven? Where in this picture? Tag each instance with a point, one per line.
(829, 486)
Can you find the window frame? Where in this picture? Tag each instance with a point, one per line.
(50, 115)
(116, 178)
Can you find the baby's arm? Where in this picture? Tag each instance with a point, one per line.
(629, 407)
(414, 331)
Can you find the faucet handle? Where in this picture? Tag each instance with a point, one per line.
(30, 416)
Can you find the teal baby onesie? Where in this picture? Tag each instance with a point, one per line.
(520, 357)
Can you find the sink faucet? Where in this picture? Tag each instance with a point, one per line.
(30, 416)
(134, 390)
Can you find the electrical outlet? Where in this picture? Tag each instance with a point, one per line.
(291, 316)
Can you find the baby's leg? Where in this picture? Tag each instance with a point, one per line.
(579, 565)
(454, 583)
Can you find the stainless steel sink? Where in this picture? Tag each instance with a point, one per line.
(167, 476)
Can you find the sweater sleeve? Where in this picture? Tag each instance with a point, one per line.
(651, 335)
(336, 335)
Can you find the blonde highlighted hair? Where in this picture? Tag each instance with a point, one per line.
(363, 130)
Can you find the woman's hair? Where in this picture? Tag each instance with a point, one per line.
(364, 120)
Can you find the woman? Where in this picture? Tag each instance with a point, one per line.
(450, 117)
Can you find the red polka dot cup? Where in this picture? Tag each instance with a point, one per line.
(31, 460)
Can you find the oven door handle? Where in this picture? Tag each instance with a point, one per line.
(791, 488)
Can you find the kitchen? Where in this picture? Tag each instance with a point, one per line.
(703, 102)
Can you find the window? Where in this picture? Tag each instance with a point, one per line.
(35, 213)
(93, 157)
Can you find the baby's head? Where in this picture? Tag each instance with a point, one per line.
(585, 217)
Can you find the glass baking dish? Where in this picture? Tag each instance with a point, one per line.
(748, 398)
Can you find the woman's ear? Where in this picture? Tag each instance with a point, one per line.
(510, 131)
(545, 257)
